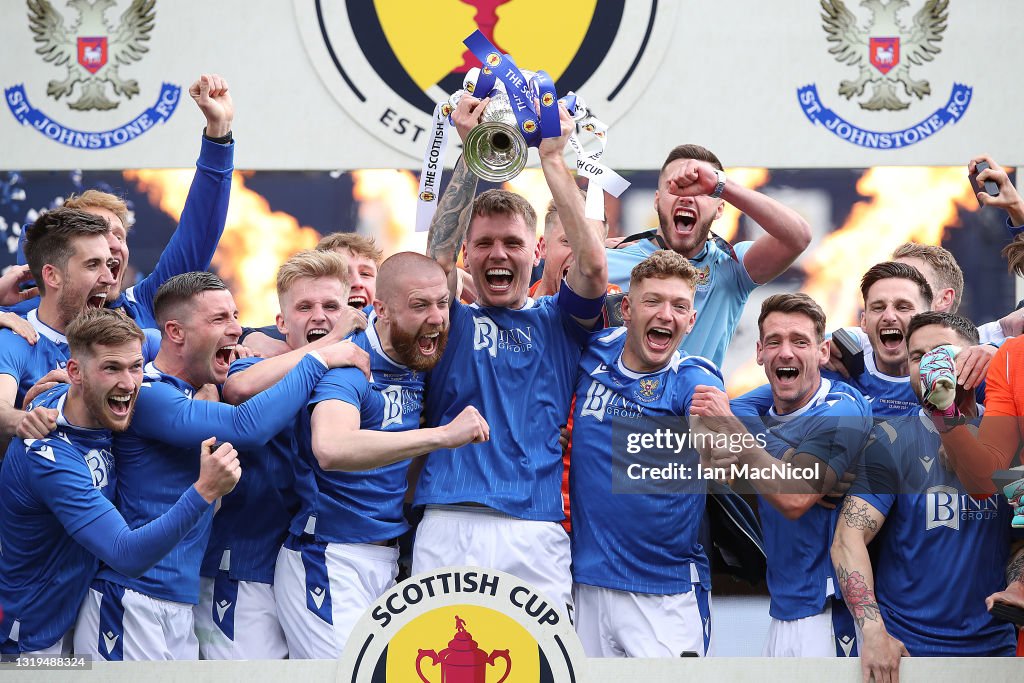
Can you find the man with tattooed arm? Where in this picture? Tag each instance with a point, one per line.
(915, 601)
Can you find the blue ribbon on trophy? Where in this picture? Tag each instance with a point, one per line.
(523, 110)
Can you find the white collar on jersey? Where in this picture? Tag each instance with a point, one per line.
(869, 365)
(151, 373)
(44, 329)
(823, 389)
(673, 363)
(374, 339)
(63, 422)
(529, 304)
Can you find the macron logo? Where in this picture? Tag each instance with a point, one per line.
(46, 452)
(222, 608)
(927, 461)
(318, 596)
(110, 640)
(846, 642)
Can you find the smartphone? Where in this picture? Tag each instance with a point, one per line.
(990, 186)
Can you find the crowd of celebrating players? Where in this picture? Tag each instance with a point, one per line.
(178, 486)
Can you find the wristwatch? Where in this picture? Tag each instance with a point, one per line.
(720, 186)
(225, 140)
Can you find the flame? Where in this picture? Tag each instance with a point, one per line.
(750, 178)
(906, 205)
(387, 209)
(256, 240)
(911, 204)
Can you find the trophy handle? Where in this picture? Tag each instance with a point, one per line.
(501, 654)
(433, 658)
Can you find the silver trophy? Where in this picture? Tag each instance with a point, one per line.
(495, 150)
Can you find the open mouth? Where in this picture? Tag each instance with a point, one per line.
(97, 300)
(658, 338)
(428, 343)
(115, 269)
(223, 355)
(357, 301)
(786, 373)
(684, 219)
(119, 404)
(891, 338)
(315, 333)
(499, 279)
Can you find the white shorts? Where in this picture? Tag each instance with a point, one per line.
(612, 623)
(116, 623)
(322, 590)
(813, 636)
(536, 552)
(238, 620)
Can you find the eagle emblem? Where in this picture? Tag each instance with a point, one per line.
(91, 50)
(885, 49)
(703, 276)
(648, 385)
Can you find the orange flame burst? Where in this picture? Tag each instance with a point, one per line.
(750, 178)
(911, 204)
(255, 243)
(387, 209)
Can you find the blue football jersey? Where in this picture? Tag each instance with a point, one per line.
(27, 363)
(639, 542)
(518, 368)
(723, 286)
(364, 507)
(940, 552)
(888, 396)
(158, 458)
(52, 488)
(833, 427)
(192, 245)
(253, 519)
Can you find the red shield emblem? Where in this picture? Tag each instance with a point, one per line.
(92, 53)
(884, 53)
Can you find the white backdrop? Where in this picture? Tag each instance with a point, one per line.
(722, 74)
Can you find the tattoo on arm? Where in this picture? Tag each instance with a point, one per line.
(856, 516)
(1015, 569)
(454, 210)
(858, 596)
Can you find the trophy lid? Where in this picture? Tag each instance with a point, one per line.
(463, 640)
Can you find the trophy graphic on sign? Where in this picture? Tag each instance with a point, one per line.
(462, 661)
(523, 109)
(486, 19)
